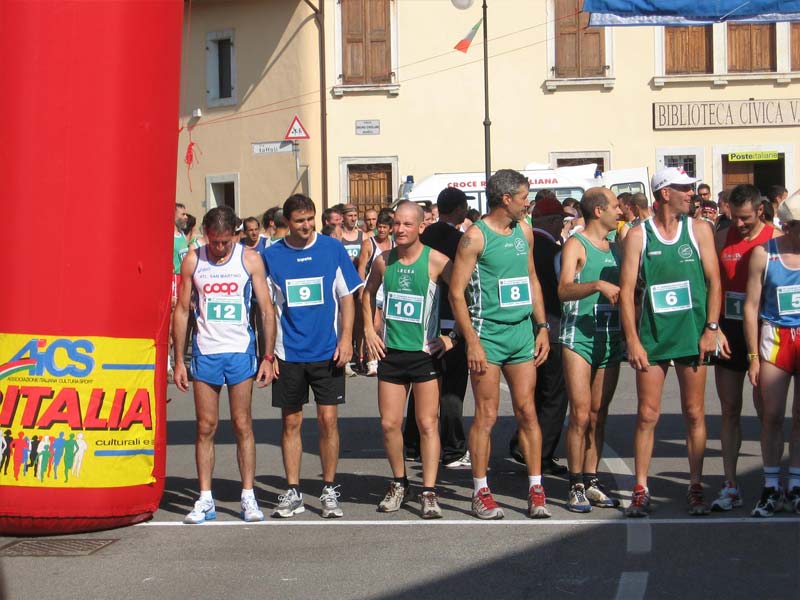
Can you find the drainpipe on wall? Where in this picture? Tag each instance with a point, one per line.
(319, 18)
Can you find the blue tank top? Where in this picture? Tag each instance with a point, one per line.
(780, 294)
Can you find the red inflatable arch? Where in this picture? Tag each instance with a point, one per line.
(88, 149)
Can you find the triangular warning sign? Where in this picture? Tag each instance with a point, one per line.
(296, 131)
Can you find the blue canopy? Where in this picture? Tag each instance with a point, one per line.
(689, 12)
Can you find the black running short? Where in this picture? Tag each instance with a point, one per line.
(402, 367)
(290, 389)
(734, 331)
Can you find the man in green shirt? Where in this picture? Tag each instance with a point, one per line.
(674, 257)
(494, 266)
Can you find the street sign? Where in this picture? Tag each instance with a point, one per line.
(368, 127)
(271, 147)
(296, 131)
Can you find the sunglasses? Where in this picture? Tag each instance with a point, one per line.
(682, 187)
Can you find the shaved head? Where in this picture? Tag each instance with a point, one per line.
(413, 208)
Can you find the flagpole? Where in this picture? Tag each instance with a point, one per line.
(487, 123)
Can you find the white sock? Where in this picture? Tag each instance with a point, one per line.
(206, 495)
(794, 477)
(534, 480)
(772, 477)
(478, 483)
(248, 494)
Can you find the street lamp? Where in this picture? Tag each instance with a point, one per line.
(487, 124)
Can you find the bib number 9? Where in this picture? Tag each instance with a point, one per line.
(304, 292)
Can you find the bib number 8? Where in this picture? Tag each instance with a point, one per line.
(514, 293)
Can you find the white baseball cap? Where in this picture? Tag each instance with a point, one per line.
(669, 176)
(789, 210)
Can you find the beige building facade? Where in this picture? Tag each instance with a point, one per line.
(721, 101)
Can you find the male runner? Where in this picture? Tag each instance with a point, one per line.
(312, 281)
(352, 236)
(370, 221)
(180, 248)
(735, 246)
(217, 281)
(252, 235)
(444, 236)
(592, 343)
(371, 248)
(494, 258)
(410, 355)
(673, 255)
(773, 296)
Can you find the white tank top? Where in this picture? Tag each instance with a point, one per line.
(222, 294)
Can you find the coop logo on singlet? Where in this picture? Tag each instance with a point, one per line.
(222, 287)
(685, 251)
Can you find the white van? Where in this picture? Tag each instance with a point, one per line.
(566, 182)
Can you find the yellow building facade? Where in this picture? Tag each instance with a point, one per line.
(721, 101)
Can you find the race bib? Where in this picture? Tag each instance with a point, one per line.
(788, 299)
(224, 310)
(353, 251)
(734, 306)
(304, 292)
(606, 318)
(515, 291)
(671, 297)
(403, 307)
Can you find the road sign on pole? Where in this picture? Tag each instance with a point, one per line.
(296, 130)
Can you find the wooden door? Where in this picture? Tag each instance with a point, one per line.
(370, 186)
(735, 173)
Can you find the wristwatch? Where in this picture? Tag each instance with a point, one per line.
(540, 326)
(712, 326)
(453, 336)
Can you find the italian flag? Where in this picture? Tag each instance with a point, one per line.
(463, 45)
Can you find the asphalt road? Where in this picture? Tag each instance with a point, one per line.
(372, 555)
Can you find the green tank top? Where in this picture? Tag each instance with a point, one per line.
(180, 248)
(594, 317)
(411, 303)
(674, 300)
(499, 289)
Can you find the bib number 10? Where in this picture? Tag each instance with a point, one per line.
(404, 307)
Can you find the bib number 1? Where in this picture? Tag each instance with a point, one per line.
(734, 306)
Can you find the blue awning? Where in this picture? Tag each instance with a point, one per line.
(689, 12)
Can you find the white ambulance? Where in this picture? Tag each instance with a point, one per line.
(566, 182)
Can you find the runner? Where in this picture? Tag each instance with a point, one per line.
(674, 257)
(773, 295)
(252, 235)
(217, 282)
(352, 236)
(592, 343)
(180, 248)
(313, 281)
(735, 247)
(410, 356)
(371, 248)
(494, 258)
(370, 221)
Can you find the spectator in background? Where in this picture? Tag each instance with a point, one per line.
(776, 194)
(724, 207)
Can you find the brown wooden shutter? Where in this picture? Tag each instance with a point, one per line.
(379, 57)
(366, 42)
(370, 186)
(751, 48)
(688, 50)
(580, 49)
(795, 43)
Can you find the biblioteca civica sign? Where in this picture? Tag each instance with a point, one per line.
(725, 114)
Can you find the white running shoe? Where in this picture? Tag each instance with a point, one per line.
(460, 463)
(204, 510)
(250, 511)
(372, 368)
(290, 504)
(330, 502)
(729, 497)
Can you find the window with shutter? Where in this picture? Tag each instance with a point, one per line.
(580, 49)
(751, 48)
(795, 43)
(366, 47)
(688, 50)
